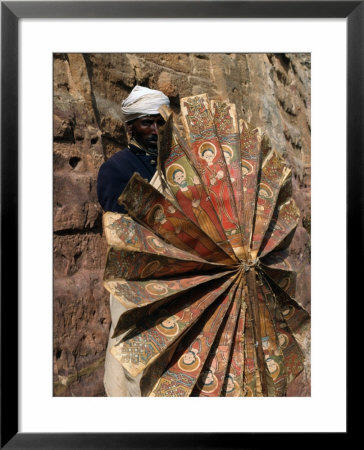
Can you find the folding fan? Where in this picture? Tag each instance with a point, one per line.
(202, 266)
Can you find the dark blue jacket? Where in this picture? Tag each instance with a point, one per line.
(115, 173)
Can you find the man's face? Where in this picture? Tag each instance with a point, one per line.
(145, 130)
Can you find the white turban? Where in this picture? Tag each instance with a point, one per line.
(142, 102)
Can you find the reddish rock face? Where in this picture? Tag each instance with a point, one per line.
(271, 91)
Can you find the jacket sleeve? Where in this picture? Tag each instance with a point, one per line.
(111, 182)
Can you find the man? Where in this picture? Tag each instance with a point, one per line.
(140, 113)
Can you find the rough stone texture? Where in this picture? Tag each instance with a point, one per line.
(271, 91)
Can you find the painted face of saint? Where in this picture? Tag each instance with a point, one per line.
(227, 157)
(272, 365)
(158, 287)
(207, 377)
(159, 216)
(265, 191)
(179, 178)
(287, 311)
(208, 156)
(230, 384)
(189, 358)
(282, 340)
(168, 323)
(157, 243)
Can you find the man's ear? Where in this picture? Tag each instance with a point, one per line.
(129, 128)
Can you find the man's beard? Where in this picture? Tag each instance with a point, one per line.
(151, 145)
(183, 184)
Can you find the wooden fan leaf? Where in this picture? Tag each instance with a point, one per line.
(250, 143)
(144, 297)
(148, 206)
(191, 195)
(285, 325)
(284, 221)
(180, 377)
(210, 164)
(123, 233)
(273, 174)
(255, 376)
(273, 357)
(285, 279)
(227, 129)
(280, 267)
(214, 373)
(280, 260)
(234, 385)
(294, 314)
(145, 344)
(286, 191)
(127, 265)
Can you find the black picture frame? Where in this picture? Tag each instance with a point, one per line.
(11, 12)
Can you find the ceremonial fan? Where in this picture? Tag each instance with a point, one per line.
(201, 264)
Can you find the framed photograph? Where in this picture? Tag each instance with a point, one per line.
(66, 67)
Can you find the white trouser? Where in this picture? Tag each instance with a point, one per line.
(117, 381)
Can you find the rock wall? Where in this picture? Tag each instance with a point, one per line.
(271, 91)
